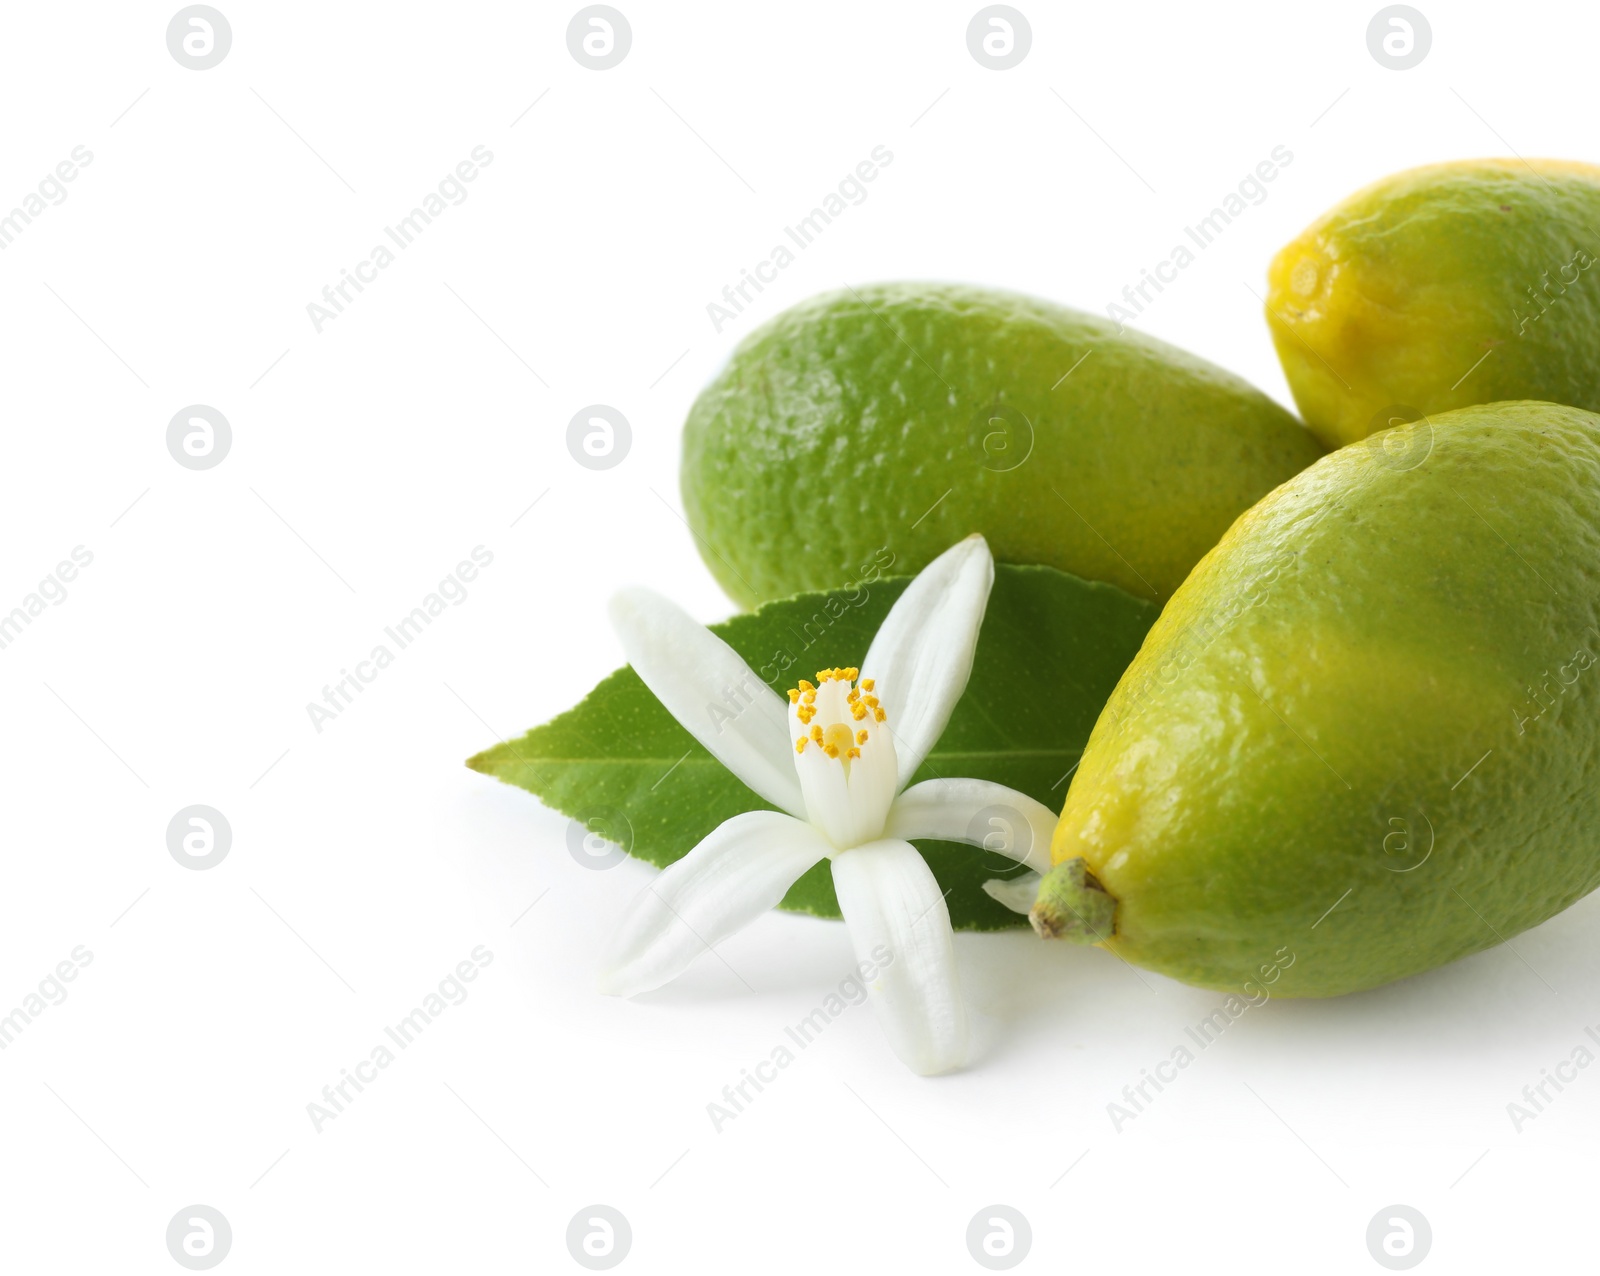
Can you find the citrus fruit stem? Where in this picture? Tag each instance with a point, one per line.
(1072, 905)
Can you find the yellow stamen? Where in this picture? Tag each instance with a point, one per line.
(867, 684)
(840, 739)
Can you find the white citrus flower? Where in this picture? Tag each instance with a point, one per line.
(836, 758)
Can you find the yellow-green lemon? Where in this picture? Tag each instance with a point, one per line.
(1440, 287)
(884, 423)
(1363, 738)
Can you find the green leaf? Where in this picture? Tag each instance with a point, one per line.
(1051, 650)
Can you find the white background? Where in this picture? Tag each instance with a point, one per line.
(425, 420)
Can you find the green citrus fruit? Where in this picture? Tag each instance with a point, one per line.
(883, 424)
(1363, 739)
(1468, 282)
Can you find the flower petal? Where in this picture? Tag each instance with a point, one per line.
(706, 686)
(1016, 893)
(922, 655)
(979, 813)
(900, 928)
(737, 873)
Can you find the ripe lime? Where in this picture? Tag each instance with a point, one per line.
(883, 424)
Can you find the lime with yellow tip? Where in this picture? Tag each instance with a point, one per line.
(1440, 287)
(1363, 739)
